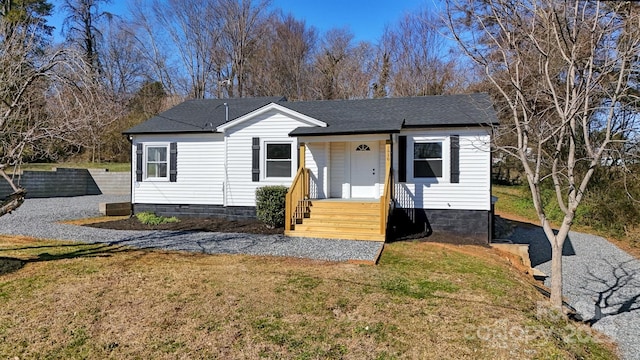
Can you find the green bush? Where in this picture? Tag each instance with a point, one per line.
(149, 218)
(270, 205)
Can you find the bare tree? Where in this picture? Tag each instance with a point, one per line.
(191, 26)
(122, 62)
(150, 46)
(81, 28)
(281, 62)
(343, 70)
(567, 73)
(81, 105)
(25, 63)
(241, 24)
(418, 56)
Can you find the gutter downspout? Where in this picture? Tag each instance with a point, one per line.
(131, 190)
(226, 171)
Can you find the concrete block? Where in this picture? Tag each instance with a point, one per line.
(115, 209)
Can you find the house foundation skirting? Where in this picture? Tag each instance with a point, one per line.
(441, 225)
(198, 210)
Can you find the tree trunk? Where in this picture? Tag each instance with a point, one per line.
(13, 201)
(556, 273)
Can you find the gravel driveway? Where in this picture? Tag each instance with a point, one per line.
(601, 281)
(39, 217)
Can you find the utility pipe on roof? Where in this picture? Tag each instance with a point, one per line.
(226, 112)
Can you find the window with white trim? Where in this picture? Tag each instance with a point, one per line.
(157, 162)
(278, 160)
(428, 159)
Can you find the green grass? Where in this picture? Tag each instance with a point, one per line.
(114, 167)
(76, 301)
(514, 200)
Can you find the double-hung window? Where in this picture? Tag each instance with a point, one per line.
(278, 160)
(427, 159)
(157, 162)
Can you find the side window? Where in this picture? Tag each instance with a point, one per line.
(278, 160)
(427, 159)
(157, 162)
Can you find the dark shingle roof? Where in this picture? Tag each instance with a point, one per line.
(392, 114)
(200, 115)
(342, 116)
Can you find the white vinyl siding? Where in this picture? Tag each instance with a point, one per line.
(316, 163)
(200, 171)
(473, 192)
(337, 169)
(270, 127)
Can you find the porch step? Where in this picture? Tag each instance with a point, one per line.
(315, 221)
(338, 226)
(355, 217)
(330, 204)
(335, 235)
(353, 220)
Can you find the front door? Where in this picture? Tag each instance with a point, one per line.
(364, 169)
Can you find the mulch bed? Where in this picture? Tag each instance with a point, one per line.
(193, 224)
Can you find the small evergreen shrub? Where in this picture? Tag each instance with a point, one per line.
(270, 205)
(149, 218)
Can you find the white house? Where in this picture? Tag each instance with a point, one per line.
(368, 169)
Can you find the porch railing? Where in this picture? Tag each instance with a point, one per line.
(297, 194)
(385, 203)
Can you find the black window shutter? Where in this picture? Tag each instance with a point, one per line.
(255, 159)
(455, 159)
(402, 159)
(173, 162)
(138, 162)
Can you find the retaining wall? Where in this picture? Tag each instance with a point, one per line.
(69, 182)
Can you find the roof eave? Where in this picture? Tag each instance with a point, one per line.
(156, 132)
(347, 132)
(430, 126)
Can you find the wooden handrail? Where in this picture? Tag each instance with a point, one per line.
(385, 203)
(298, 191)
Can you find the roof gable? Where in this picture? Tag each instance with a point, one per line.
(273, 106)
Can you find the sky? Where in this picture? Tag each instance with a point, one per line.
(365, 18)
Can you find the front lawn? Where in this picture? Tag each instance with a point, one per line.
(424, 300)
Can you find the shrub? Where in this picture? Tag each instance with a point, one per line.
(270, 205)
(149, 218)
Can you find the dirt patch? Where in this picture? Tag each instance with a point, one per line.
(192, 224)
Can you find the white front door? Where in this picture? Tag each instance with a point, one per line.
(364, 169)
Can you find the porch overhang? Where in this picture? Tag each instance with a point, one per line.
(307, 131)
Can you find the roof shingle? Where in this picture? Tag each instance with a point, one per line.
(342, 116)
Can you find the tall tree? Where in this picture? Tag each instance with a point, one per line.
(82, 28)
(419, 58)
(28, 13)
(241, 24)
(343, 70)
(25, 63)
(281, 62)
(122, 63)
(566, 72)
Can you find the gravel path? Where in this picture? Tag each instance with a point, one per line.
(38, 218)
(601, 281)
